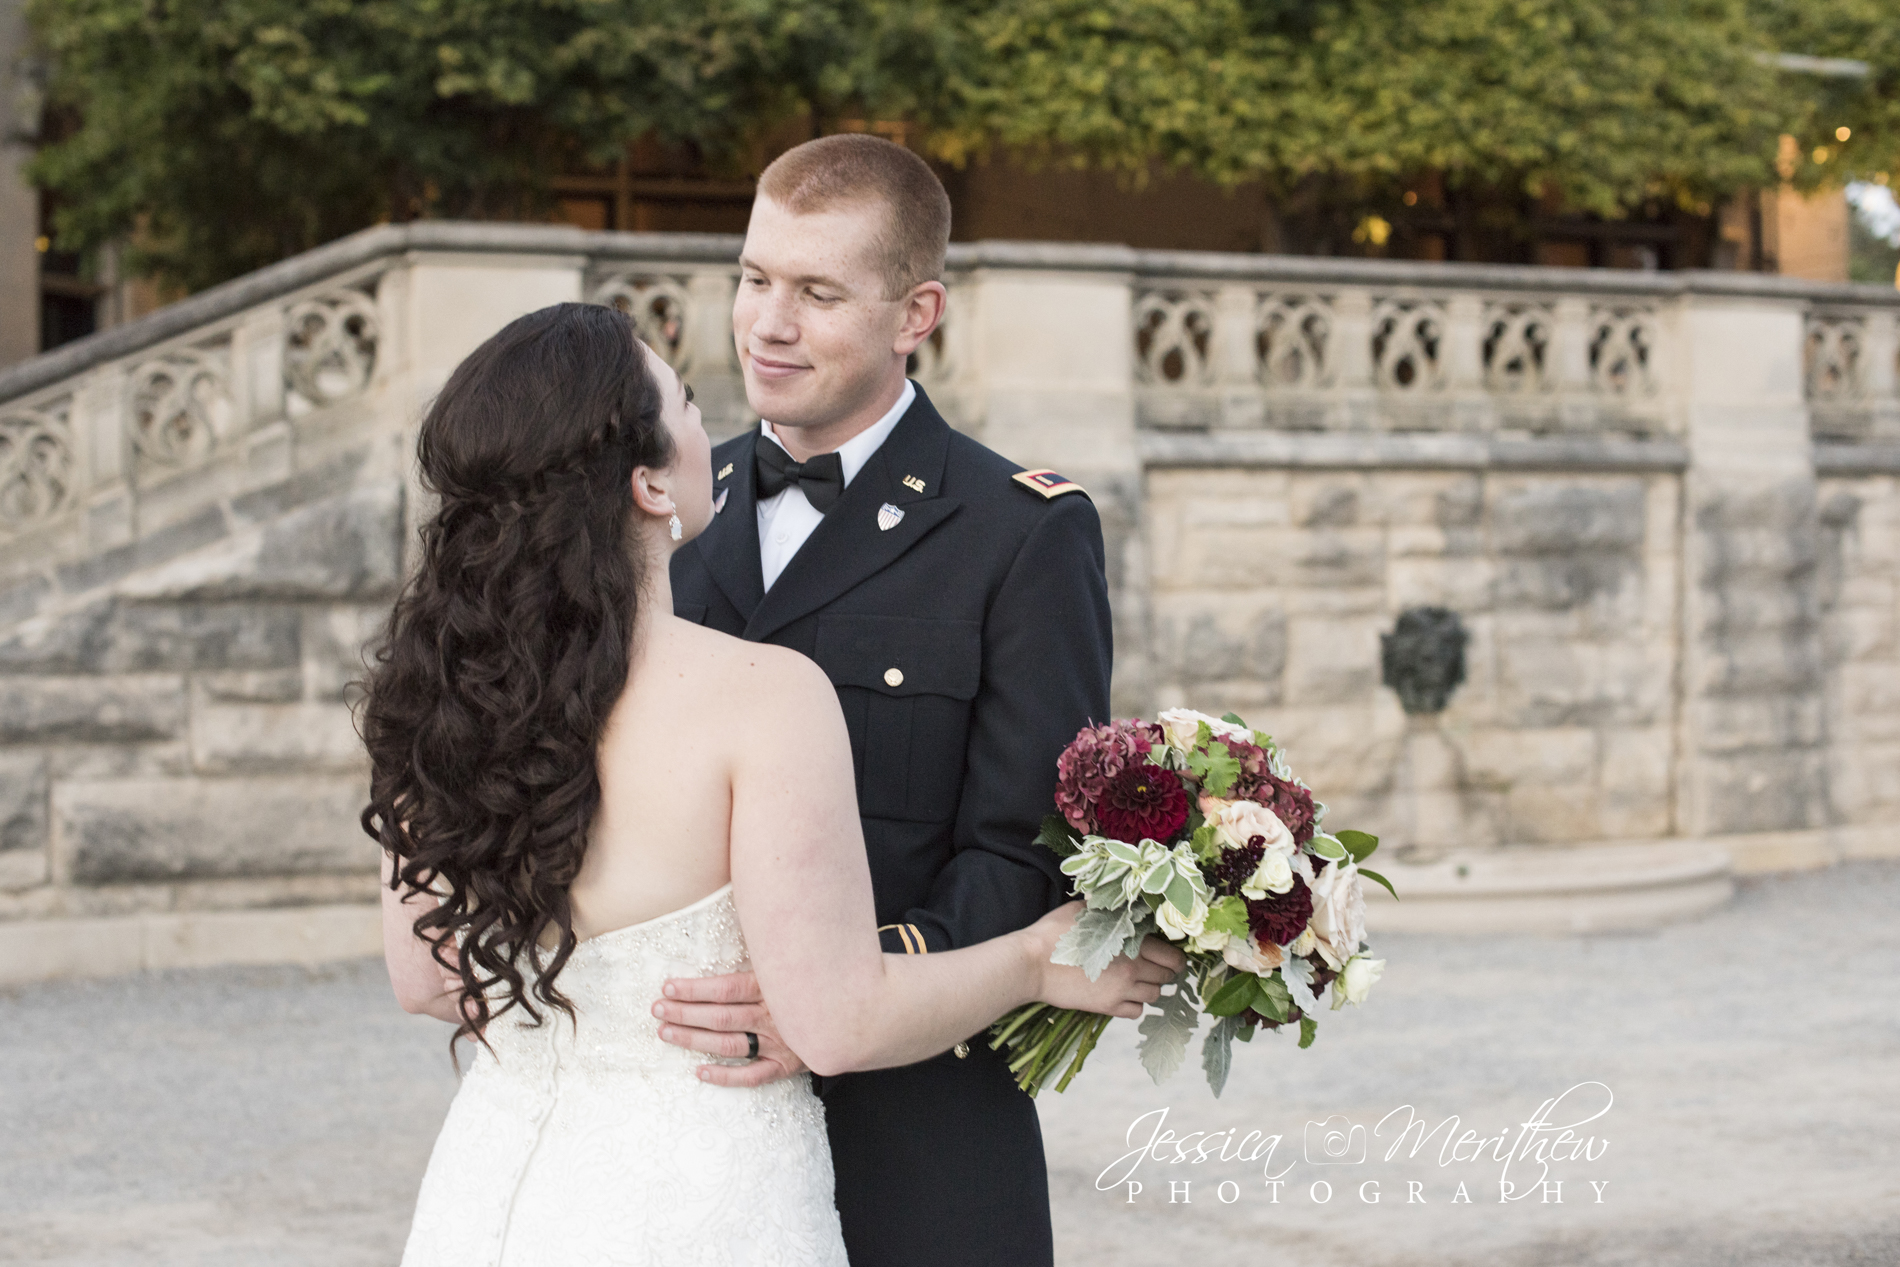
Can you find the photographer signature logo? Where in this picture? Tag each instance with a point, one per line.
(1527, 1154)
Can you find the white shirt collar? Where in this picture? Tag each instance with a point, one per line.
(855, 452)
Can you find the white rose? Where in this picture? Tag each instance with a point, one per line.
(1273, 875)
(1179, 927)
(1211, 939)
(1339, 913)
(1249, 955)
(1238, 822)
(1355, 980)
(1182, 726)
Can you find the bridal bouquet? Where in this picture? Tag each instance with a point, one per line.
(1194, 828)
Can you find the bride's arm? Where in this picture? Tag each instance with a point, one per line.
(803, 890)
(421, 985)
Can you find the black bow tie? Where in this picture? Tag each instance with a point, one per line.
(822, 478)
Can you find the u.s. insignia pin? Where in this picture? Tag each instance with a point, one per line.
(914, 484)
(888, 517)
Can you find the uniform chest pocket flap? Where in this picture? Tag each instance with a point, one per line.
(901, 656)
(905, 685)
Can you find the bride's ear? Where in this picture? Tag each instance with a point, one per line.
(653, 491)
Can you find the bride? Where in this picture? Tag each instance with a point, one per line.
(579, 796)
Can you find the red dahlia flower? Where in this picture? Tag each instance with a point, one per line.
(1278, 918)
(1143, 802)
(1092, 760)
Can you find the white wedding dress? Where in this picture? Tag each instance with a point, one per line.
(593, 1142)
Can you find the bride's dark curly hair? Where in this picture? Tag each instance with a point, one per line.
(510, 644)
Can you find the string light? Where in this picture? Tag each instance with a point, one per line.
(1411, 197)
(1842, 133)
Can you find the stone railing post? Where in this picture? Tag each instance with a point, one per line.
(457, 300)
(1237, 357)
(1752, 751)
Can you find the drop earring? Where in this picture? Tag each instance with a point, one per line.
(674, 526)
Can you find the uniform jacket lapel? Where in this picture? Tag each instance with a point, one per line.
(730, 544)
(849, 545)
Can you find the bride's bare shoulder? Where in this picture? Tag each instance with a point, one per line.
(756, 678)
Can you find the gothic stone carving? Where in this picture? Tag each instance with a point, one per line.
(36, 464)
(1423, 658)
(660, 311)
(1173, 330)
(330, 346)
(179, 406)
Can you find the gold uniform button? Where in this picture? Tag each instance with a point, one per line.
(893, 677)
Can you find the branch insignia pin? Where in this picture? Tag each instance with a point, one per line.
(888, 517)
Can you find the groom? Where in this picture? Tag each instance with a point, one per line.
(959, 606)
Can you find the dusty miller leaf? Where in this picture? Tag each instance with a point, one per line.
(1165, 1034)
(1094, 941)
(1217, 1053)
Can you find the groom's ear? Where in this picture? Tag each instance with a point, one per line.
(923, 313)
(653, 491)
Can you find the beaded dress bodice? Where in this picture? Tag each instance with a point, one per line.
(592, 1141)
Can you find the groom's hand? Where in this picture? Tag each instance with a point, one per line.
(713, 1015)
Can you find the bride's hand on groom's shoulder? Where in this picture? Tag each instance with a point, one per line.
(1123, 989)
(713, 1015)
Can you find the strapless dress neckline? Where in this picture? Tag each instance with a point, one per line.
(590, 1141)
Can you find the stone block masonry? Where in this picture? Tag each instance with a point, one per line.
(1666, 508)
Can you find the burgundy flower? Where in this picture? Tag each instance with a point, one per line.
(1290, 803)
(1236, 866)
(1278, 918)
(1092, 760)
(1143, 802)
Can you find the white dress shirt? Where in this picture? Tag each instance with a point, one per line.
(786, 519)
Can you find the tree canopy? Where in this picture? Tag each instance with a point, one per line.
(217, 135)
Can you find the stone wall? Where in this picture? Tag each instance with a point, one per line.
(1666, 508)
(1271, 589)
(1860, 647)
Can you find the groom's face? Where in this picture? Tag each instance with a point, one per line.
(816, 334)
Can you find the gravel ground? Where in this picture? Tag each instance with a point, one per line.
(283, 1117)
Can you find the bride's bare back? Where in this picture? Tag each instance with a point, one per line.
(661, 838)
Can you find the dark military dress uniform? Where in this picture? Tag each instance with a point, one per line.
(959, 606)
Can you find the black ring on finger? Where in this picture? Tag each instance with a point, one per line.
(751, 1045)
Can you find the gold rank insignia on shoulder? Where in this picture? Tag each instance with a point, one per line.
(914, 484)
(724, 471)
(1048, 483)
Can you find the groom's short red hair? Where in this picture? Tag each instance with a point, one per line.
(856, 167)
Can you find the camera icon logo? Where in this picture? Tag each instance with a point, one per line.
(1335, 1142)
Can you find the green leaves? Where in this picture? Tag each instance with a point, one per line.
(1214, 765)
(1265, 995)
(1309, 1029)
(1359, 844)
(230, 133)
(1235, 996)
(1229, 915)
(1057, 836)
(1376, 878)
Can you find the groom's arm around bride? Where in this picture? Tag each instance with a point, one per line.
(961, 615)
